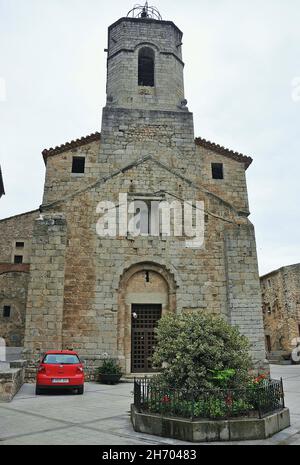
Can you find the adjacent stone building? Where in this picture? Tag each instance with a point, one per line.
(103, 295)
(281, 309)
(15, 253)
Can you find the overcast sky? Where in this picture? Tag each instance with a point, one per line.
(242, 81)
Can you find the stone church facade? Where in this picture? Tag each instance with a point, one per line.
(65, 286)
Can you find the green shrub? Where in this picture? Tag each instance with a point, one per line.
(198, 351)
(212, 405)
(109, 367)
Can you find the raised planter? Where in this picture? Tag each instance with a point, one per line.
(253, 412)
(239, 429)
(109, 378)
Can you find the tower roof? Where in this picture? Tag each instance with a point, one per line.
(149, 20)
(144, 12)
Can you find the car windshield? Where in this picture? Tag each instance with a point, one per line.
(60, 359)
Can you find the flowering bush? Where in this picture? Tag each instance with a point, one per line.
(199, 351)
(212, 406)
(259, 380)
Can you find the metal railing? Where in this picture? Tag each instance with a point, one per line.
(215, 404)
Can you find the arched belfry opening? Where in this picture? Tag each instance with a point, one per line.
(146, 67)
(147, 291)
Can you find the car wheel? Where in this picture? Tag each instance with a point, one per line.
(37, 391)
(80, 390)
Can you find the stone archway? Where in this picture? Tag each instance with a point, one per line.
(145, 284)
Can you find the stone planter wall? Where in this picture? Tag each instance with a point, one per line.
(11, 380)
(241, 429)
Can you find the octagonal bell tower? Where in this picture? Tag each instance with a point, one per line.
(144, 65)
(146, 107)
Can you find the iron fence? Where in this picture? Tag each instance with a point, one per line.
(253, 401)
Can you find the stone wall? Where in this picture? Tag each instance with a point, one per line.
(139, 139)
(13, 293)
(281, 307)
(11, 381)
(44, 314)
(14, 277)
(60, 181)
(233, 188)
(244, 297)
(16, 229)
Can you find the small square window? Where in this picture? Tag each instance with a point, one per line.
(217, 170)
(18, 259)
(6, 311)
(78, 165)
(20, 245)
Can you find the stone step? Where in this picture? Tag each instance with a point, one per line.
(279, 362)
(4, 366)
(130, 377)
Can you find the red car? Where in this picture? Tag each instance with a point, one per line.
(60, 370)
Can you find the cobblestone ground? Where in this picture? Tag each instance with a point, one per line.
(101, 416)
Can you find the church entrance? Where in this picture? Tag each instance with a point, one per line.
(147, 291)
(144, 320)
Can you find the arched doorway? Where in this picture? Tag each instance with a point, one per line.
(146, 292)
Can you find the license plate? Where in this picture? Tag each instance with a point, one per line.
(60, 381)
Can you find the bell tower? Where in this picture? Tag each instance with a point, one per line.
(144, 64)
(145, 102)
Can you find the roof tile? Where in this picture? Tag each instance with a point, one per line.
(71, 145)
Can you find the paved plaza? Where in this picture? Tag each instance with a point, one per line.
(101, 416)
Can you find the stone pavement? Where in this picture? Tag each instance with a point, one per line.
(101, 416)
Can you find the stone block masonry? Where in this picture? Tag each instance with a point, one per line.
(15, 240)
(11, 380)
(44, 316)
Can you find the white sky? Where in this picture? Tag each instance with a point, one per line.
(241, 59)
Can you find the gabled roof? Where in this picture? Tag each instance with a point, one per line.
(198, 141)
(2, 192)
(224, 151)
(71, 145)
